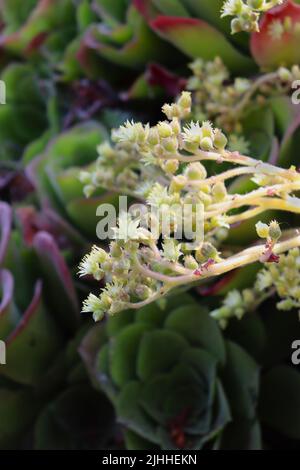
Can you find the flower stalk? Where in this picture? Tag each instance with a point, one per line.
(144, 264)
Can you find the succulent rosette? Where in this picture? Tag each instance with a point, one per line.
(43, 379)
(177, 382)
(174, 381)
(23, 117)
(37, 29)
(113, 37)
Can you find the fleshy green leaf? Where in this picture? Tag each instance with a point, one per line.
(125, 352)
(32, 346)
(198, 328)
(158, 351)
(191, 36)
(240, 378)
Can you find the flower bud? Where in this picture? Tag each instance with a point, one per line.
(191, 146)
(236, 26)
(262, 230)
(143, 292)
(175, 126)
(185, 100)
(219, 192)
(164, 130)
(195, 171)
(206, 144)
(274, 230)
(220, 140)
(170, 144)
(284, 74)
(207, 251)
(153, 137)
(177, 183)
(170, 166)
(190, 262)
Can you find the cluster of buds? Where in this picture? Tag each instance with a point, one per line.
(225, 101)
(247, 13)
(147, 258)
(119, 166)
(281, 278)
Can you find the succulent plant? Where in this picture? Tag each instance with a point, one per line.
(174, 381)
(43, 379)
(24, 115)
(37, 29)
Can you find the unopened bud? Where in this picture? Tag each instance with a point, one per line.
(164, 129)
(206, 144)
(195, 171)
(274, 230)
(219, 192)
(220, 140)
(262, 230)
(185, 100)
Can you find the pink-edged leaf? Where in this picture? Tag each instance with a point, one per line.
(270, 51)
(217, 287)
(145, 7)
(36, 42)
(237, 279)
(34, 343)
(5, 228)
(59, 289)
(196, 38)
(7, 310)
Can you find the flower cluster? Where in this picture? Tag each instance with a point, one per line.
(247, 14)
(148, 258)
(225, 101)
(281, 278)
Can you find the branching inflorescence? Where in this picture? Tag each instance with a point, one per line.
(281, 278)
(226, 102)
(145, 262)
(247, 13)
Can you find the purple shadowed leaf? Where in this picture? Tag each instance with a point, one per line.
(29, 312)
(5, 228)
(14, 185)
(89, 98)
(59, 289)
(6, 314)
(33, 345)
